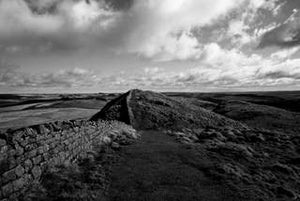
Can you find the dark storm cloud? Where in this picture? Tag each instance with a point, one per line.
(279, 75)
(43, 6)
(120, 4)
(286, 35)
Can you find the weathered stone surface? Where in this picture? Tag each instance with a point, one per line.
(19, 150)
(19, 171)
(27, 165)
(9, 176)
(3, 149)
(115, 145)
(18, 184)
(32, 153)
(22, 162)
(2, 143)
(7, 189)
(36, 172)
(37, 160)
(43, 129)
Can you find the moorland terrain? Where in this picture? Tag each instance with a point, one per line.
(192, 146)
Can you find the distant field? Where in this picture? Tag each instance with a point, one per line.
(23, 110)
(288, 100)
(18, 110)
(18, 119)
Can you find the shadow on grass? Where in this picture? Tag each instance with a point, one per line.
(85, 180)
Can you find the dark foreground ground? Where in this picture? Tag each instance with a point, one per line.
(156, 168)
(159, 168)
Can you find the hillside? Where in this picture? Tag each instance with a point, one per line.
(150, 110)
(260, 116)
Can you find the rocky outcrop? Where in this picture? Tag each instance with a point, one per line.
(149, 110)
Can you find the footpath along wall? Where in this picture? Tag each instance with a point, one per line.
(25, 153)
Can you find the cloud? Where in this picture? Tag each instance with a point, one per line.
(286, 35)
(70, 24)
(154, 29)
(43, 6)
(163, 29)
(70, 78)
(285, 53)
(10, 76)
(120, 4)
(219, 69)
(279, 75)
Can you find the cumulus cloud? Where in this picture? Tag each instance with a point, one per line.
(10, 76)
(164, 28)
(285, 53)
(70, 78)
(153, 28)
(160, 30)
(220, 69)
(70, 25)
(247, 27)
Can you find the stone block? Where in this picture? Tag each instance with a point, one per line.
(30, 132)
(37, 159)
(52, 145)
(27, 165)
(19, 170)
(32, 153)
(4, 149)
(46, 148)
(43, 130)
(46, 156)
(9, 176)
(12, 163)
(36, 172)
(18, 184)
(29, 147)
(11, 152)
(2, 143)
(40, 150)
(19, 150)
(24, 142)
(7, 190)
(27, 179)
(43, 165)
(56, 126)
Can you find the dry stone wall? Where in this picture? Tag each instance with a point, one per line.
(25, 153)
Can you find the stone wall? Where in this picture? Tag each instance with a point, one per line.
(26, 152)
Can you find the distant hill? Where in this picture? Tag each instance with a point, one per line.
(262, 116)
(150, 110)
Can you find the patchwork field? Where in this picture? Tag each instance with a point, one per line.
(18, 111)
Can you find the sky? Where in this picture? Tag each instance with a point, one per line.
(85, 46)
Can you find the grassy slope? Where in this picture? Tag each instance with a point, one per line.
(261, 116)
(17, 119)
(159, 168)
